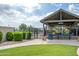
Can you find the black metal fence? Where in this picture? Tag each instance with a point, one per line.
(37, 33)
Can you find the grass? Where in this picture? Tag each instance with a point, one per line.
(41, 50)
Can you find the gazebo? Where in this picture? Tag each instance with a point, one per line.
(61, 18)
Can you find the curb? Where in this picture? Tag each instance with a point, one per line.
(78, 51)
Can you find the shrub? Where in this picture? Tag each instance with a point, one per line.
(9, 36)
(29, 34)
(24, 35)
(1, 35)
(18, 36)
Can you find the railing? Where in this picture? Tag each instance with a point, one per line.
(61, 36)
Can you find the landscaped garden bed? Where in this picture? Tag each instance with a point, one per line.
(16, 36)
(41, 50)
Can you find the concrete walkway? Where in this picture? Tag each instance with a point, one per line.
(39, 41)
(67, 42)
(32, 42)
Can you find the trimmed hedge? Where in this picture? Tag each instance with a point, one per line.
(18, 36)
(9, 36)
(29, 34)
(1, 36)
(24, 35)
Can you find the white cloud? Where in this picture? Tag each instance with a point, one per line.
(17, 18)
(30, 9)
(30, 5)
(72, 8)
(13, 17)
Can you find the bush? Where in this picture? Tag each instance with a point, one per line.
(29, 34)
(24, 35)
(9, 36)
(18, 36)
(1, 35)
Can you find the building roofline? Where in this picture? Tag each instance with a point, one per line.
(42, 20)
(6, 27)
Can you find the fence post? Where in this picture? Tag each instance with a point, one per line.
(34, 33)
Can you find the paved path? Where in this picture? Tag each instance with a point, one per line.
(39, 41)
(32, 42)
(67, 42)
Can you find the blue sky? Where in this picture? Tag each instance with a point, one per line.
(13, 13)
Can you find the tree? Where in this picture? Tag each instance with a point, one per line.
(30, 28)
(23, 27)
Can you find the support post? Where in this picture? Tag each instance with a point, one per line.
(34, 33)
(43, 29)
(46, 29)
(76, 31)
(69, 34)
(37, 32)
(44, 33)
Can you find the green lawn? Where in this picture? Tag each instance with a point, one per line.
(41, 50)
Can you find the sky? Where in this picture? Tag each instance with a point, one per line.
(15, 12)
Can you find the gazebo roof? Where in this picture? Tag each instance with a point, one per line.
(60, 15)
